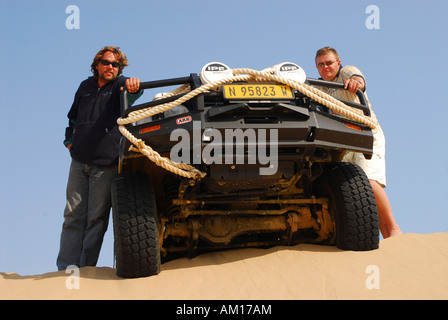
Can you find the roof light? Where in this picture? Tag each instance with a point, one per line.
(214, 71)
(290, 71)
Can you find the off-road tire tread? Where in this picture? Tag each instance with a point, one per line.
(357, 226)
(137, 249)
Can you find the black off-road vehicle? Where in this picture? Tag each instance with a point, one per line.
(273, 176)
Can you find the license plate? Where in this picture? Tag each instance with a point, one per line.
(257, 91)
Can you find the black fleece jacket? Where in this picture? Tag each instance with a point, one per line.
(93, 129)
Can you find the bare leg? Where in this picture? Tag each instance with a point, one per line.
(388, 226)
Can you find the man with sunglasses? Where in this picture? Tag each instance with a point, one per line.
(92, 138)
(329, 66)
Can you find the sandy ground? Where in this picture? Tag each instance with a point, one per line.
(411, 266)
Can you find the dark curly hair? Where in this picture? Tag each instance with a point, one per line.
(121, 58)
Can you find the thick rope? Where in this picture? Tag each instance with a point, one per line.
(241, 74)
(315, 94)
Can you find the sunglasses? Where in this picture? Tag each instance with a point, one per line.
(328, 63)
(107, 62)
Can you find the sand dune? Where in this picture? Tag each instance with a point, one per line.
(411, 266)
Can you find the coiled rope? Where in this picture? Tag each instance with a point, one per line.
(240, 74)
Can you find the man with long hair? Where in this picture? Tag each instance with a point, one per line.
(92, 137)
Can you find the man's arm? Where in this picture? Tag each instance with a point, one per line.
(72, 115)
(132, 84)
(69, 133)
(354, 79)
(354, 83)
(133, 87)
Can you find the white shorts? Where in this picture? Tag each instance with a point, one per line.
(375, 168)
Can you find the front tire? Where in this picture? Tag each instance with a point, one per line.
(136, 235)
(352, 204)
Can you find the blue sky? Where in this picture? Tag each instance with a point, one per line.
(43, 62)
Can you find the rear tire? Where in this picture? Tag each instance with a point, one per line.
(352, 204)
(136, 235)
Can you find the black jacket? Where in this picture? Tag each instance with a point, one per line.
(93, 129)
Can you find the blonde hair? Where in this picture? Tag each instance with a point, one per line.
(325, 50)
(121, 59)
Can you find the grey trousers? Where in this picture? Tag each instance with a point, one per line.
(86, 214)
